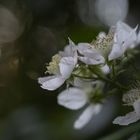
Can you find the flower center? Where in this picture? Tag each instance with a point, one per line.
(104, 42)
(53, 67)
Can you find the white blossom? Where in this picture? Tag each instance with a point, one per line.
(60, 68)
(132, 98)
(97, 52)
(124, 38)
(77, 97)
(109, 46)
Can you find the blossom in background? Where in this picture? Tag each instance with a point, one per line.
(132, 98)
(60, 68)
(77, 97)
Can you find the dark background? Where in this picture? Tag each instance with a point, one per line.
(28, 112)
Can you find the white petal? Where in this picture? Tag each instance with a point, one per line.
(131, 41)
(86, 116)
(127, 119)
(90, 55)
(69, 49)
(87, 50)
(72, 98)
(92, 60)
(136, 106)
(124, 30)
(138, 38)
(105, 69)
(51, 82)
(116, 52)
(41, 80)
(66, 66)
(71, 43)
(83, 48)
(124, 38)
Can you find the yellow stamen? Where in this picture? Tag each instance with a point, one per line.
(53, 67)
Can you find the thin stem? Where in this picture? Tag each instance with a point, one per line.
(103, 79)
(112, 82)
(84, 77)
(113, 69)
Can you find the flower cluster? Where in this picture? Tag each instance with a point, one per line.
(87, 68)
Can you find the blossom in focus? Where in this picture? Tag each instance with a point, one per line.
(132, 98)
(60, 68)
(109, 46)
(77, 97)
(124, 38)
